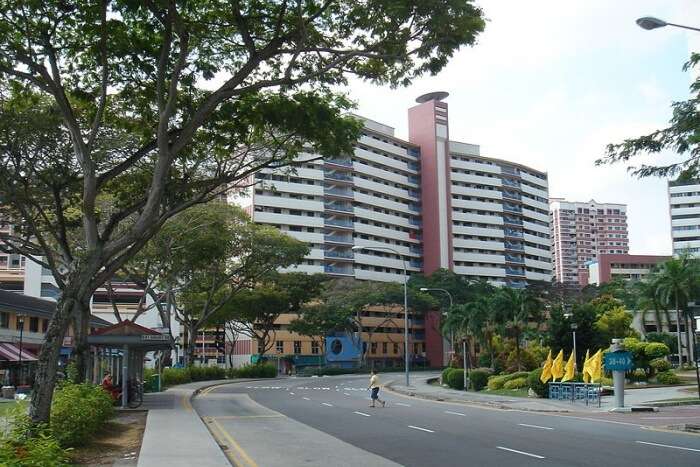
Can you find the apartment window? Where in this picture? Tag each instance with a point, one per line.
(44, 325)
(373, 348)
(396, 348)
(4, 320)
(279, 346)
(385, 349)
(33, 324)
(297, 347)
(315, 348)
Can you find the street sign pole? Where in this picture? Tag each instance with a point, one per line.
(618, 376)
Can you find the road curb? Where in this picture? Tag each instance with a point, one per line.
(494, 405)
(672, 403)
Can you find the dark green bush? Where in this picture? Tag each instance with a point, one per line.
(656, 350)
(455, 379)
(667, 377)
(260, 370)
(173, 376)
(537, 386)
(78, 411)
(478, 379)
(39, 451)
(207, 373)
(516, 383)
(445, 375)
(327, 370)
(660, 364)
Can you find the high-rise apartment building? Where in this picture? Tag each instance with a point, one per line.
(684, 202)
(581, 232)
(439, 203)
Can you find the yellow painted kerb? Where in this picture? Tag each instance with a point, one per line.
(234, 445)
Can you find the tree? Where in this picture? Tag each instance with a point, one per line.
(516, 309)
(161, 105)
(615, 323)
(255, 311)
(558, 334)
(316, 321)
(676, 280)
(681, 137)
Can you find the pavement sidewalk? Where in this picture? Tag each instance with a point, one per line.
(175, 435)
(422, 389)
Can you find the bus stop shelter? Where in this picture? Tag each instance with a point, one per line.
(122, 348)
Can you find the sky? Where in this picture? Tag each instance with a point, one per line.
(551, 83)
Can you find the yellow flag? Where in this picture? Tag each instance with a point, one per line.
(547, 369)
(570, 369)
(558, 366)
(596, 366)
(586, 369)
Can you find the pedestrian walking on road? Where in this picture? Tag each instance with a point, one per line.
(374, 387)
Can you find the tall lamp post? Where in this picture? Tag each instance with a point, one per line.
(452, 337)
(649, 23)
(20, 324)
(405, 298)
(695, 345)
(574, 327)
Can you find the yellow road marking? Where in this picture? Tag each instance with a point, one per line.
(186, 402)
(233, 444)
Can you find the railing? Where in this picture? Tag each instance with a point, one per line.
(511, 195)
(590, 392)
(338, 176)
(343, 162)
(413, 221)
(512, 220)
(509, 170)
(512, 208)
(515, 272)
(511, 182)
(336, 270)
(514, 246)
(416, 250)
(515, 259)
(337, 239)
(338, 222)
(513, 233)
(414, 207)
(413, 166)
(416, 264)
(413, 193)
(335, 191)
(338, 254)
(414, 179)
(338, 207)
(517, 284)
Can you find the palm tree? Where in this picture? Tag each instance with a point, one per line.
(676, 280)
(647, 300)
(474, 319)
(517, 308)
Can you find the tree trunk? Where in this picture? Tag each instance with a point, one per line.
(678, 333)
(517, 348)
(47, 364)
(688, 340)
(81, 328)
(191, 345)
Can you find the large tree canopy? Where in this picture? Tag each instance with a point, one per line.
(139, 109)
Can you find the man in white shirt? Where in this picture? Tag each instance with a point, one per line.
(374, 387)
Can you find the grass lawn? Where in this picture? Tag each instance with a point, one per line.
(5, 407)
(507, 392)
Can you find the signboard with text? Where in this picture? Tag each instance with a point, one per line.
(618, 361)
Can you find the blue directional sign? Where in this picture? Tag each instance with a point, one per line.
(618, 361)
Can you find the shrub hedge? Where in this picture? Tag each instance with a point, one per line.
(660, 364)
(455, 379)
(516, 383)
(261, 370)
(478, 379)
(78, 411)
(668, 377)
(498, 382)
(445, 374)
(534, 383)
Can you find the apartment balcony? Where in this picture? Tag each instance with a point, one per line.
(510, 170)
(511, 183)
(414, 193)
(339, 162)
(512, 195)
(416, 250)
(413, 166)
(342, 255)
(339, 223)
(414, 179)
(340, 239)
(512, 208)
(515, 259)
(512, 220)
(514, 246)
(337, 192)
(516, 284)
(337, 270)
(513, 233)
(416, 264)
(339, 176)
(515, 272)
(414, 207)
(338, 207)
(414, 221)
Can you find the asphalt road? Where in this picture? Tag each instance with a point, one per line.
(414, 432)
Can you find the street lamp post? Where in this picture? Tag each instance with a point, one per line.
(574, 327)
(695, 345)
(452, 337)
(649, 23)
(20, 322)
(405, 299)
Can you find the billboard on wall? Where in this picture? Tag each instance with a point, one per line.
(343, 349)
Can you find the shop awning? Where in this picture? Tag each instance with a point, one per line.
(10, 352)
